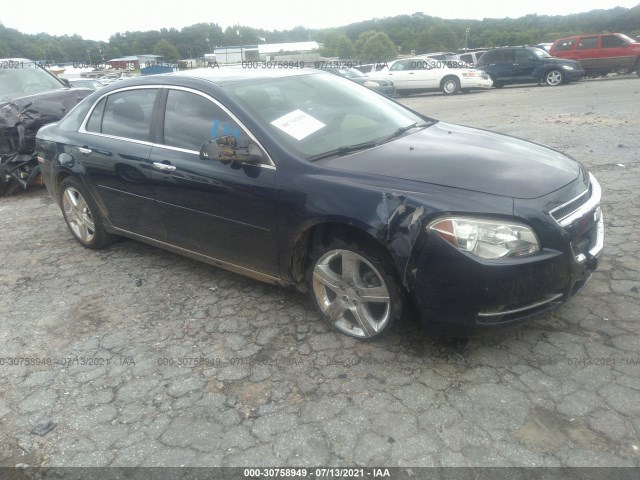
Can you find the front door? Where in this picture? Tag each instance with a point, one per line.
(225, 211)
(524, 65)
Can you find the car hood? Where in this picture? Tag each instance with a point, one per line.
(467, 158)
(362, 80)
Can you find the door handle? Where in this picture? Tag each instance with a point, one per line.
(164, 167)
(84, 151)
(516, 64)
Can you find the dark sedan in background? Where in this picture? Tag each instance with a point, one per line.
(306, 179)
(376, 83)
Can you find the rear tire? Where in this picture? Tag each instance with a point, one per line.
(355, 288)
(450, 85)
(638, 67)
(81, 215)
(497, 84)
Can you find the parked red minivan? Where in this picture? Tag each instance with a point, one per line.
(600, 53)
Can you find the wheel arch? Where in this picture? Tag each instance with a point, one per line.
(551, 68)
(58, 178)
(450, 76)
(323, 231)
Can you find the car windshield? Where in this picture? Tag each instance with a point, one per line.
(321, 113)
(540, 52)
(20, 78)
(628, 39)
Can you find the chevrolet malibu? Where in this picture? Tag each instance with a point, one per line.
(306, 179)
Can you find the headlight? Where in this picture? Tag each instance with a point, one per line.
(471, 74)
(371, 83)
(486, 238)
(567, 67)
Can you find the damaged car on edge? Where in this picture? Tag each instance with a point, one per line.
(306, 179)
(30, 97)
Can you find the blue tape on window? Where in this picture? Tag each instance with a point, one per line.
(214, 129)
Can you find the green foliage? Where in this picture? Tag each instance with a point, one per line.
(338, 45)
(438, 38)
(418, 32)
(168, 51)
(378, 48)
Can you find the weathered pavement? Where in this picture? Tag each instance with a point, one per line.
(191, 365)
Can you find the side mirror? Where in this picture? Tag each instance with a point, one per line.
(226, 149)
(66, 82)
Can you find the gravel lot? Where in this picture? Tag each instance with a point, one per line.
(152, 359)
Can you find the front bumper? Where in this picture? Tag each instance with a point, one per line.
(459, 294)
(573, 75)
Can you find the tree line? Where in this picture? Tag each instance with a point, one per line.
(368, 41)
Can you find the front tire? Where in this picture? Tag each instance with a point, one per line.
(450, 85)
(355, 288)
(554, 77)
(81, 215)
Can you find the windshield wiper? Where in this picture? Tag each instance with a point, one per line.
(342, 151)
(401, 130)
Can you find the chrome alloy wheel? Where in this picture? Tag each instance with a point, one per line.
(554, 77)
(351, 293)
(78, 215)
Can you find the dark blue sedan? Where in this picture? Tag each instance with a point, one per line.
(306, 179)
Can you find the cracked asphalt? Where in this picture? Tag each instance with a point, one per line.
(133, 356)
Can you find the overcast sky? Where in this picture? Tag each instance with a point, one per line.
(98, 20)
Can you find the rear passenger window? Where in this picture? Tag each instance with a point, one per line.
(502, 56)
(125, 114)
(565, 45)
(95, 121)
(588, 43)
(611, 41)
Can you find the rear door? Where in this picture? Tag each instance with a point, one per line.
(114, 151)
(588, 53)
(499, 64)
(225, 211)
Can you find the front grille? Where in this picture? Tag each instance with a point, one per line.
(568, 208)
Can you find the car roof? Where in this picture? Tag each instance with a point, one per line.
(586, 35)
(227, 75)
(17, 60)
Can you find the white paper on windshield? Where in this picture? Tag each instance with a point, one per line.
(298, 124)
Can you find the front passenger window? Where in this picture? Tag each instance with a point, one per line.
(611, 41)
(191, 119)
